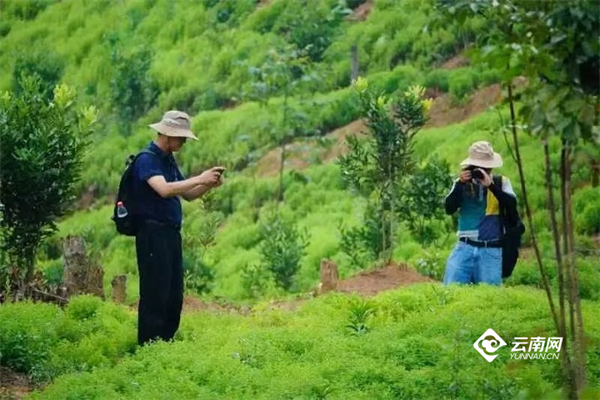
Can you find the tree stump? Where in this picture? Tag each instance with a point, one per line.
(119, 287)
(80, 275)
(329, 276)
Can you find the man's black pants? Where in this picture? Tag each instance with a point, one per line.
(160, 265)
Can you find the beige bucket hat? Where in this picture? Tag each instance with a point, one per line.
(175, 124)
(481, 154)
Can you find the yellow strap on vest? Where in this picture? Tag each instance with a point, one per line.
(492, 205)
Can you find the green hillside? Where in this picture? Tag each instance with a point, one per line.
(135, 59)
(207, 51)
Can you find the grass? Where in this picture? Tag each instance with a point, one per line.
(419, 344)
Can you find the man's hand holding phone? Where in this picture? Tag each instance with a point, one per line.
(212, 177)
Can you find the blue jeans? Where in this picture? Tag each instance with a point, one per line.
(470, 264)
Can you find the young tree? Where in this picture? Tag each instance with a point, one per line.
(41, 158)
(282, 249)
(555, 45)
(282, 74)
(376, 166)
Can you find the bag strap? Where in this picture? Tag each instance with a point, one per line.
(501, 211)
(131, 159)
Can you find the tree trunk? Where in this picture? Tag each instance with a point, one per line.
(569, 371)
(329, 276)
(386, 226)
(595, 167)
(280, 195)
(538, 256)
(565, 234)
(573, 277)
(119, 289)
(556, 237)
(80, 274)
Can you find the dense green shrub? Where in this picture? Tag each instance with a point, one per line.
(586, 209)
(43, 147)
(27, 335)
(432, 264)
(414, 343)
(133, 89)
(421, 207)
(44, 341)
(25, 10)
(43, 64)
(438, 79)
(282, 249)
(461, 83)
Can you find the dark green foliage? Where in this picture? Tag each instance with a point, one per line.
(352, 4)
(133, 89)
(282, 248)
(364, 243)
(438, 79)
(586, 204)
(432, 264)
(43, 64)
(25, 10)
(256, 278)
(42, 158)
(307, 24)
(44, 341)
(421, 206)
(376, 166)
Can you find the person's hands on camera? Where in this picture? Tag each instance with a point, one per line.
(475, 174)
(465, 176)
(211, 177)
(487, 179)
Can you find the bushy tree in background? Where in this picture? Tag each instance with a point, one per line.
(46, 65)
(43, 145)
(133, 89)
(282, 249)
(377, 165)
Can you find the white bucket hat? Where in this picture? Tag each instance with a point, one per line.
(175, 124)
(481, 154)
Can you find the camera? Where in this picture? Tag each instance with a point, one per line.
(475, 173)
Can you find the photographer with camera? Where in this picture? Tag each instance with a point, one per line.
(477, 256)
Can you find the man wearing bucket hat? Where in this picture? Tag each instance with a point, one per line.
(159, 184)
(477, 256)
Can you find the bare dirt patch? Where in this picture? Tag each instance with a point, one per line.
(14, 385)
(362, 12)
(370, 283)
(191, 304)
(444, 111)
(457, 61)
